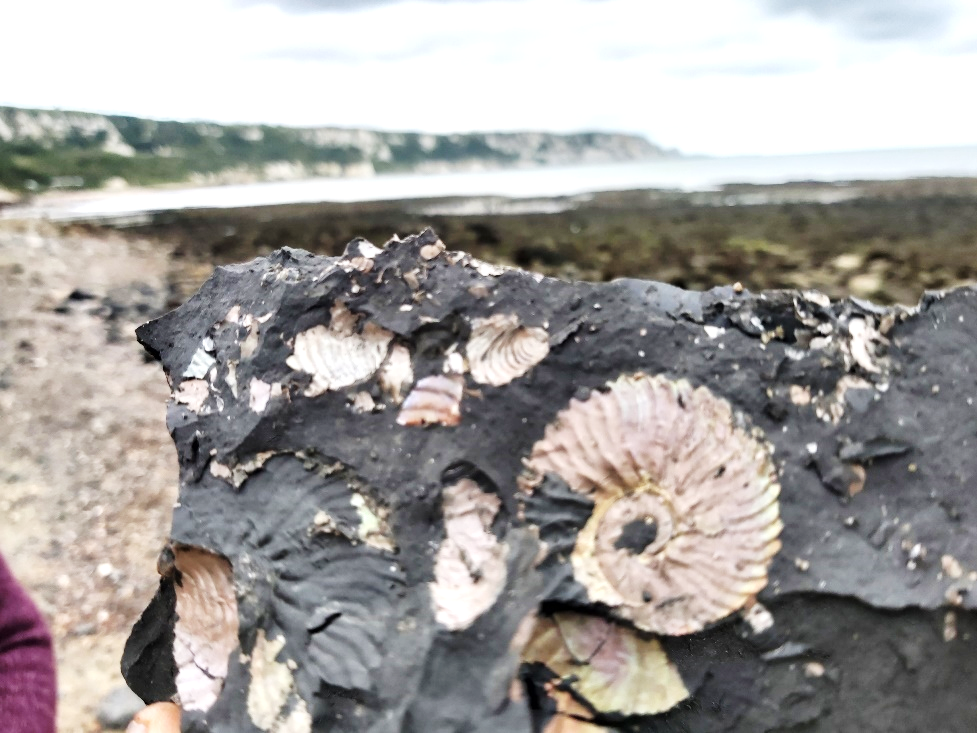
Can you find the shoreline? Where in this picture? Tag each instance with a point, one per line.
(824, 177)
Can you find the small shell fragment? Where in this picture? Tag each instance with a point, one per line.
(685, 520)
(207, 625)
(951, 566)
(434, 400)
(336, 355)
(192, 393)
(430, 251)
(862, 344)
(486, 269)
(271, 687)
(200, 364)
(363, 403)
(612, 667)
(470, 568)
(396, 374)
(500, 350)
(259, 393)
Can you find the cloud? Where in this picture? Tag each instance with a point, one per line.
(875, 20)
(315, 6)
(318, 6)
(744, 68)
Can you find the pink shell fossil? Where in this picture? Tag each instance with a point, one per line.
(470, 567)
(434, 400)
(500, 350)
(207, 625)
(685, 519)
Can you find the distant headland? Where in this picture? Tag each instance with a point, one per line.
(54, 149)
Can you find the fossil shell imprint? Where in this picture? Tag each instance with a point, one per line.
(500, 350)
(685, 520)
(610, 666)
(470, 568)
(207, 625)
(433, 401)
(335, 355)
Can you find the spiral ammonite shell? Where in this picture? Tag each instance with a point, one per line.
(685, 519)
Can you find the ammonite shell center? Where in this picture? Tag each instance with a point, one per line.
(631, 535)
(639, 524)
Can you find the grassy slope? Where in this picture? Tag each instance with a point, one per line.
(190, 149)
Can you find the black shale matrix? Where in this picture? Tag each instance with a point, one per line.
(420, 492)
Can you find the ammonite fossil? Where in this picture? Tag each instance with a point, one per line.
(685, 519)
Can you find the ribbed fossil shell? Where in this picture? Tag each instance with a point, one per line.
(433, 401)
(336, 355)
(685, 519)
(612, 667)
(470, 568)
(206, 628)
(500, 350)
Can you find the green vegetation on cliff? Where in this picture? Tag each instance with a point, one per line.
(42, 149)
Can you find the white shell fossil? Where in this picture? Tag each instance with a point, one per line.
(271, 690)
(470, 568)
(500, 350)
(612, 667)
(685, 519)
(207, 625)
(434, 400)
(193, 393)
(336, 355)
(396, 374)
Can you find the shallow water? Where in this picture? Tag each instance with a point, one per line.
(686, 174)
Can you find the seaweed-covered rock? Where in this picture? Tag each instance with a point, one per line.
(421, 492)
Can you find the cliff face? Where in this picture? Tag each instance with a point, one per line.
(54, 149)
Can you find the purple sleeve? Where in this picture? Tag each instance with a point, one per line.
(27, 677)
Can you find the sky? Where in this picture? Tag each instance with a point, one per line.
(716, 77)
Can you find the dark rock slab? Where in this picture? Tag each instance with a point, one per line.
(329, 510)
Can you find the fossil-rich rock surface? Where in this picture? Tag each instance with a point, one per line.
(453, 573)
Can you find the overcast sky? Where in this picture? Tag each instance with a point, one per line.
(705, 76)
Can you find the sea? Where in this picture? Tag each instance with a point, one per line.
(687, 174)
